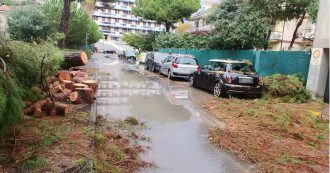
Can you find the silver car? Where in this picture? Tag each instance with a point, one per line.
(179, 66)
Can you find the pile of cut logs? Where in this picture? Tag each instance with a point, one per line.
(71, 85)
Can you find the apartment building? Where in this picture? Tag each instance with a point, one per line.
(282, 33)
(198, 19)
(118, 20)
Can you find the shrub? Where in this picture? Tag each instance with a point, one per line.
(290, 86)
(23, 73)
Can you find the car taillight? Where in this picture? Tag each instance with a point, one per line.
(174, 65)
(198, 68)
(260, 81)
(228, 79)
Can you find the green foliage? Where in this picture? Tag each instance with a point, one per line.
(80, 23)
(170, 40)
(290, 86)
(28, 23)
(239, 25)
(23, 63)
(168, 12)
(35, 163)
(142, 42)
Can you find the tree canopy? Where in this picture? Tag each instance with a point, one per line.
(239, 25)
(28, 23)
(165, 11)
(80, 23)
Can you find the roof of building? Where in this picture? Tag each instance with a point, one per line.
(226, 61)
(4, 8)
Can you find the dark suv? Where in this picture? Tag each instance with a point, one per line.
(154, 60)
(225, 77)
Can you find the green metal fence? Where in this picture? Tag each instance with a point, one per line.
(265, 62)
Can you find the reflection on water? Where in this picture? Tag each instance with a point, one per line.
(177, 127)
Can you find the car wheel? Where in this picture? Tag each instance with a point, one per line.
(191, 81)
(169, 75)
(153, 68)
(218, 90)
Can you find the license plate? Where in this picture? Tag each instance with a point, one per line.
(246, 80)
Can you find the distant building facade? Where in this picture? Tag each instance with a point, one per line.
(282, 33)
(198, 19)
(3, 18)
(118, 20)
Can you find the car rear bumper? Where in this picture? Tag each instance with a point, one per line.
(180, 75)
(243, 90)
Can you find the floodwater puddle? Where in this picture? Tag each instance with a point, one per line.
(176, 125)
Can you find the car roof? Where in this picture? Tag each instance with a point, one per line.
(183, 56)
(226, 61)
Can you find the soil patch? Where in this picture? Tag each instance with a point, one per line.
(276, 136)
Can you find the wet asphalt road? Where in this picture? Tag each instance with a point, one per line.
(177, 124)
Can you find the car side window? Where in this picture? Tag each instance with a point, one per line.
(169, 59)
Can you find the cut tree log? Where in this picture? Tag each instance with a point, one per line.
(63, 95)
(51, 80)
(64, 75)
(79, 85)
(38, 111)
(75, 99)
(74, 59)
(57, 109)
(86, 95)
(83, 75)
(78, 79)
(91, 84)
(68, 84)
(78, 69)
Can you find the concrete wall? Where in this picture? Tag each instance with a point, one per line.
(318, 72)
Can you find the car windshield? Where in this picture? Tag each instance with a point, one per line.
(188, 61)
(216, 66)
(160, 56)
(130, 53)
(240, 67)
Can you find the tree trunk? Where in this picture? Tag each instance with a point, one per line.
(74, 59)
(64, 25)
(168, 27)
(296, 30)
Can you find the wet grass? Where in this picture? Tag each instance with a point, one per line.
(277, 136)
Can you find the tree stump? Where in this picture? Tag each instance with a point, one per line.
(75, 99)
(68, 85)
(86, 95)
(64, 75)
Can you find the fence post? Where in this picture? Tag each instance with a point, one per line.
(257, 61)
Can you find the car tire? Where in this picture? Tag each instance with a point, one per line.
(191, 81)
(153, 68)
(169, 76)
(218, 90)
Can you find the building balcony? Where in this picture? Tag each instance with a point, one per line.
(275, 36)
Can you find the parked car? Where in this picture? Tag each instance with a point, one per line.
(128, 56)
(225, 77)
(154, 60)
(109, 52)
(180, 66)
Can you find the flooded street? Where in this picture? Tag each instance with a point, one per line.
(176, 124)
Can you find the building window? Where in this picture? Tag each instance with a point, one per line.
(103, 19)
(149, 23)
